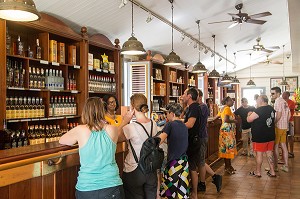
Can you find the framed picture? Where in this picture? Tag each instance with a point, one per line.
(275, 82)
(293, 83)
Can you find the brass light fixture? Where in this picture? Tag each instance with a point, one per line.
(235, 80)
(172, 59)
(214, 74)
(226, 79)
(18, 10)
(250, 83)
(199, 67)
(132, 46)
(283, 82)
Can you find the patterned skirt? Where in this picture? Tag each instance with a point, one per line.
(227, 141)
(175, 181)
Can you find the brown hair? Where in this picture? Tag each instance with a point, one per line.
(93, 113)
(139, 102)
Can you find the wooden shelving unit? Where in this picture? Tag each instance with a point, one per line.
(47, 29)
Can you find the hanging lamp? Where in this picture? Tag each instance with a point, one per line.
(172, 59)
(132, 46)
(226, 79)
(283, 82)
(18, 10)
(214, 74)
(250, 83)
(199, 67)
(235, 80)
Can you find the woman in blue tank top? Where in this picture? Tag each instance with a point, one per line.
(98, 176)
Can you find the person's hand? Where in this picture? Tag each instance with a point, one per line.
(128, 116)
(249, 113)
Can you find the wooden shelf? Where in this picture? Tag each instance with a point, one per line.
(102, 92)
(158, 80)
(159, 96)
(176, 83)
(42, 119)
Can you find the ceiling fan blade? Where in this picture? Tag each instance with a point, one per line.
(233, 25)
(276, 62)
(255, 21)
(266, 50)
(263, 14)
(244, 50)
(234, 15)
(273, 47)
(219, 22)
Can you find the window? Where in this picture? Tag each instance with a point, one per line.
(250, 92)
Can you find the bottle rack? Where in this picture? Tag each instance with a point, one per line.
(62, 74)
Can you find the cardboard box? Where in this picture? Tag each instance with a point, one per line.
(96, 64)
(61, 52)
(72, 54)
(91, 60)
(160, 89)
(53, 51)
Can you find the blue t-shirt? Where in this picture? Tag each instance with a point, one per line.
(177, 139)
(203, 120)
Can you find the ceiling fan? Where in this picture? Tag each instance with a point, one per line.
(260, 47)
(268, 61)
(244, 17)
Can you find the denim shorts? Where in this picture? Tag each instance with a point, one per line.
(107, 193)
(196, 154)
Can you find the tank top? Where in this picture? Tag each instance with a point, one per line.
(98, 167)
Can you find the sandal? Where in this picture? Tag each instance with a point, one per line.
(232, 169)
(291, 155)
(270, 175)
(252, 173)
(229, 171)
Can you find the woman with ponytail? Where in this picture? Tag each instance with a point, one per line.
(137, 185)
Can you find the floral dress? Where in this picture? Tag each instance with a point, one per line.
(227, 141)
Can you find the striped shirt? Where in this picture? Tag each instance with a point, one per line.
(282, 106)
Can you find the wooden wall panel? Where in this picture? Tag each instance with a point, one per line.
(20, 190)
(4, 192)
(69, 179)
(48, 186)
(36, 188)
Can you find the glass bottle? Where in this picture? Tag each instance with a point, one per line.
(38, 49)
(29, 52)
(8, 111)
(4, 137)
(16, 75)
(8, 42)
(20, 46)
(21, 108)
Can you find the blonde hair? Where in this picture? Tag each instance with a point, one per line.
(139, 102)
(93, 113)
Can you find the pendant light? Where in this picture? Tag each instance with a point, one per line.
(235, 80)
(18, 10)
(226, 79)
(172, 59)
(250, 83)
(284, 82)
(214, 74)
(199, 67)
(132, 46)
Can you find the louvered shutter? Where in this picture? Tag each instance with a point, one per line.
(139, 79)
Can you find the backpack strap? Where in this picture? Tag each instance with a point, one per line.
(145, 128)
(132, 149)
(133, 152)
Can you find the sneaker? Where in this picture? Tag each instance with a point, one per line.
(201, 187)
(284, 168)
(217, 180)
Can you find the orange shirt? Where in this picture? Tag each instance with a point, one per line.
(292, 106)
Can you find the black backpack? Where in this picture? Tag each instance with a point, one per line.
(151, 156)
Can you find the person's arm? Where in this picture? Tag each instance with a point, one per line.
(252, 116)
(228, 120)
(278, 116)
(190, 123)
(126, 119)
(70, 138)
(162, 137)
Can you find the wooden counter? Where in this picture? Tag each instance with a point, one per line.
(43, 171)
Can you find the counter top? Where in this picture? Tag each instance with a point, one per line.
(32, 151)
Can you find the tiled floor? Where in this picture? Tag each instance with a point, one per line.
(241, 185)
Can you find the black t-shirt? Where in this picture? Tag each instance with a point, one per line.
(203, 120)
(263, 128)
(243, 113)
(193, 111)
(177, 139)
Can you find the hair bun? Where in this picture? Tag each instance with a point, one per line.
(144, 108)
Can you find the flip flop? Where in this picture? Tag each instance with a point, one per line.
(252, 173)
(270, 175)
